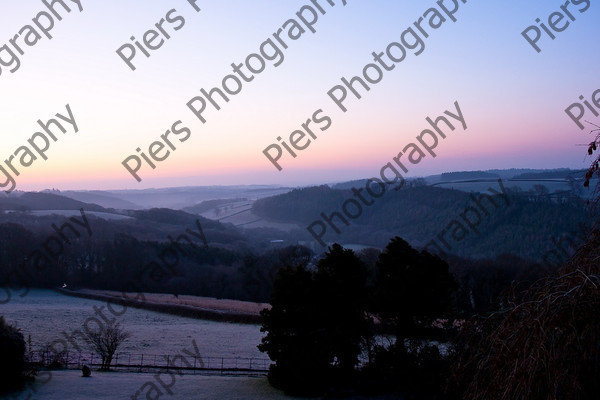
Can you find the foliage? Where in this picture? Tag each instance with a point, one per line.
(546, 346)
(415, 370)
(257, 272)
(486, 284)
(321, 321)
(412, 288)
(12, 351)
(316, 323)
(595, 165)
(293, 340)
(342, 296)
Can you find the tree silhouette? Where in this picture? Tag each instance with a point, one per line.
(294, 341)
(317, 323)
(105, 342)
(412, 288)
(342, 294)
(12, 351)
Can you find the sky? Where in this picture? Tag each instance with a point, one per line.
(512, 97)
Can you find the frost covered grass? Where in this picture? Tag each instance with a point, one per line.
(45, 314)
(70, 385)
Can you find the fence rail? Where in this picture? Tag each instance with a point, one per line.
(151, 362)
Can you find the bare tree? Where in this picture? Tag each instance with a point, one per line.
(595, 165)
(105, 342)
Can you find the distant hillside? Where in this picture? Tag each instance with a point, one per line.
(419, 214)
(178, 198)
(350, 184)
(299, 205)
(44, 201)
(165, 216)
(561, 173)
(144, 225)
(216, 231)
(105, 199)
(463, 175)
(511, 172)
(208, 205)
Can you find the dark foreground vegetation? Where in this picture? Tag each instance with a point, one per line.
(324, 319)
(407, 326)
(13, 374)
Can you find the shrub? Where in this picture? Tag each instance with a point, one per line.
(545, 347)
(12, 351)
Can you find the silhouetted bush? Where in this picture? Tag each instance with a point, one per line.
(12, 361)
(545, 347)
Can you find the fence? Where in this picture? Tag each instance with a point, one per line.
(151, 362)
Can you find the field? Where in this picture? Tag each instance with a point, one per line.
(47, 315)
(70, 385)
(208, 303)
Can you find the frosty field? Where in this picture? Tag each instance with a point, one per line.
(45, 315)
(69, 385)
